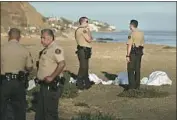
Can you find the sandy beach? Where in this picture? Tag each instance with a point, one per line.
(110, 58)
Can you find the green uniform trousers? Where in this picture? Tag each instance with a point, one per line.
(47, 103)
(133, 68)
(83, 81)
(12, 100)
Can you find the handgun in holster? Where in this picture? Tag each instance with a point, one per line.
(87, 53)
(133, 49)
(137, 50)
(54, 85)
(23, 77)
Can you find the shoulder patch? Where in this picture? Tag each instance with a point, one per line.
(57, 51)
(84, 31)
(129, 37)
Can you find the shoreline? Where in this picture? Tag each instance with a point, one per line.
(113, 41)
(23, 39)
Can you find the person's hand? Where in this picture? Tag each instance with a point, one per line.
(48, 79)
(128, 59)
(91, 37)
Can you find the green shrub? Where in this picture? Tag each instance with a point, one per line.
(32, 99)
(69, 90)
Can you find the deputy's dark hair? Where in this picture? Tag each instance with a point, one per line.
(82, 19)
(134, 23)
(49, 32)
(14, 32)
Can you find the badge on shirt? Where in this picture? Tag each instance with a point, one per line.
(84, 31)
(129, 37)
(57, 51)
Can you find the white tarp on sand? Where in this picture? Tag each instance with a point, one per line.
(94, 78)
(157, 78)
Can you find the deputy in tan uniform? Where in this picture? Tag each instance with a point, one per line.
(15, 62)
(134, 54)
(50, 67)
(83, 38)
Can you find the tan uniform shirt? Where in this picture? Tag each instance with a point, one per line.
(80, 34)
(49, 60)
(136, 37)
(14, 58)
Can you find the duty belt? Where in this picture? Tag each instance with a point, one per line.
(137, 50)
(10, 76)
(52, 85)
(82, 47)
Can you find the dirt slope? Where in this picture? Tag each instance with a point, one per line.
(19, 14)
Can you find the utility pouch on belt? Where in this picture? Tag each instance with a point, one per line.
(23, 77)
(54, 85)
(10, 76)
(87, 51)
(133, 50)
(137, 50)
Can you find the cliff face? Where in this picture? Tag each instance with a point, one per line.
(19, 14)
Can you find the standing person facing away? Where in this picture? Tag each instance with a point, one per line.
(83, 38)
(16, 62)
(134, 54)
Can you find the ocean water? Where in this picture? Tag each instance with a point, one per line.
(151, 37)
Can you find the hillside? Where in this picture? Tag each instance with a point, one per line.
(23, 15)
(60, 23)
(19, 14)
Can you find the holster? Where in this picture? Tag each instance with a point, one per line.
(137, 50)
(54, 85)
(87, 51)
(21, 76)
